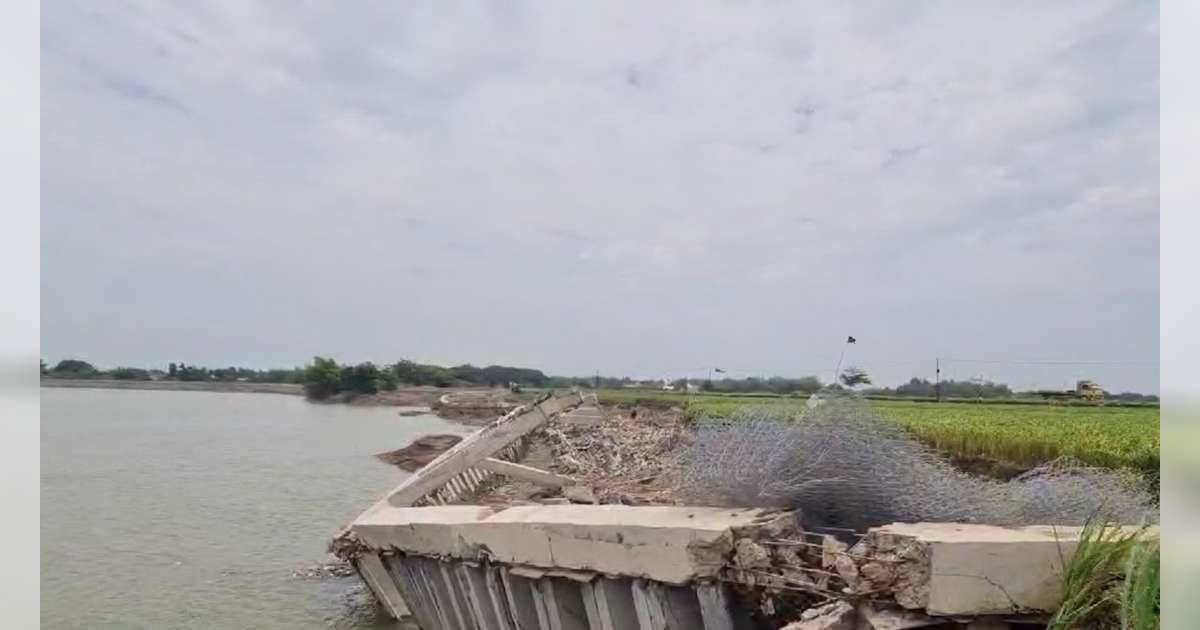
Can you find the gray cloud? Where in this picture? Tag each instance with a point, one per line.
(233, 184)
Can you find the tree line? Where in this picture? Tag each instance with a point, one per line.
(79, 369)
(324, 377)
(924, 388)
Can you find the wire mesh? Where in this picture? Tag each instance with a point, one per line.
(844, 467)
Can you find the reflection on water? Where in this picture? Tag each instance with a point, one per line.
(196, 509)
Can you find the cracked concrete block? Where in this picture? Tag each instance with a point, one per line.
(963, 569)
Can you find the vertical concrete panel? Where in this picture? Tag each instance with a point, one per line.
(611, 601)
(564, 604)
(412, 566)
(714, 607)
(538, 593)
(681, 606)
(647, 601)
(521, 606)
(418, 603)
(595, 621)
(473, 582)
(498, 597)
(460, 608)
(430, 572)
(371, 568)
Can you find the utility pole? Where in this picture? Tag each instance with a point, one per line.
(937, 379)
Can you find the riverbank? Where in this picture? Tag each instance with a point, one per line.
(187, 386)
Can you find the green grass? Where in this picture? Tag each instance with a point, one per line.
(1025, 434)
(1111, 580)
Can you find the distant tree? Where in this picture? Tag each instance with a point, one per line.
(387, 381)
(407, 372)
(853, 377)
(172, 370)
(193, 373)
(130, 374)
(44, 370)
(360, 379)
(278, 375)
(322, 378)
(74, 368)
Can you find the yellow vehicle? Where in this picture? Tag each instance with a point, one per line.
(1088, 390)
(1084, 390)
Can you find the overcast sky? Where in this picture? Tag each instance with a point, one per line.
(652, 189)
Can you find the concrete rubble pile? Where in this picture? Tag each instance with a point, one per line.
(624, 459)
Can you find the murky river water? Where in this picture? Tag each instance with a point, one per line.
(165, 509)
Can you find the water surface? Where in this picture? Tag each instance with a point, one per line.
(169, 509)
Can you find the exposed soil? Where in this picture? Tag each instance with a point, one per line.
(985, 467)
(422, 451)
(476, 406)
(405, 397)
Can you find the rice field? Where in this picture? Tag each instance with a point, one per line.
(1024, 434)
(1112, 437)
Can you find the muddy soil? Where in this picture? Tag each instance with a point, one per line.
(423, 450)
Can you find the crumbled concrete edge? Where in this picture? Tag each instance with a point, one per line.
(882, 565)
(348, 546)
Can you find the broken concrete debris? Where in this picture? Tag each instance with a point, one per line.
(750, 555)
(579, 494)
(836, 615)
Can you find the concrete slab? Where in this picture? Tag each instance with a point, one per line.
(668, 544)
(973, 569)
(420, 530)
(664, 543)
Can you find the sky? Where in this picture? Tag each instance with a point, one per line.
(651, 189)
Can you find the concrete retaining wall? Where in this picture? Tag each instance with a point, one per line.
(447, 594)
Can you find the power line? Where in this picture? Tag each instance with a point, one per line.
(1037, 362)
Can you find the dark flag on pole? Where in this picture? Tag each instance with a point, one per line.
(850, 340)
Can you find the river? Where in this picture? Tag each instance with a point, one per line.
(172, 509)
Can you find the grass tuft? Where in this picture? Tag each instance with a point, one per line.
(1111, 581)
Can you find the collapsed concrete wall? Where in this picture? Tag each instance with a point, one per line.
(758, 564)
(559, 566)
(672, 567)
